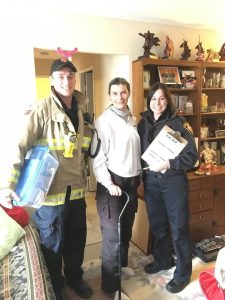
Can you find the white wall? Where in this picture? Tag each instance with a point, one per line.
(19, 35)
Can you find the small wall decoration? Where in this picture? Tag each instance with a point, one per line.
(169, 75)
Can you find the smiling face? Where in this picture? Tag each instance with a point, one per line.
(64, 82)
(119, 95)
(158, 103)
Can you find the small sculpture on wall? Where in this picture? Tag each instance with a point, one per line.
(186, 52)
(150, 41)
(200, 52)
(169, 49)
(222, 52)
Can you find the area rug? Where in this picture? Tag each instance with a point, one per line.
(142, 286)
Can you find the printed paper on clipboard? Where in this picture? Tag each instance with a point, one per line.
(166, 145)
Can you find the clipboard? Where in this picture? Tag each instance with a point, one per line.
(166, 145)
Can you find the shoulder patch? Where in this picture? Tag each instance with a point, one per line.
(187, 126)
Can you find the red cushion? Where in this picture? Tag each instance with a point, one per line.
(210, 286)
(18, 214)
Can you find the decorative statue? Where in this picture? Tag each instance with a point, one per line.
(200, 53)
(222, 52)
(186, 52)
(150, 41)
(169, 48)
(208, 156)
(212, 55)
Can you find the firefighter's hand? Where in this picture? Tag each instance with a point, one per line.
(5, 198)
(160, 166)
(114, 190)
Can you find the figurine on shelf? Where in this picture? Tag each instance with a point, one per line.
(169, 49)
(150, 41)
(212, 55)
(186, 52)
(208, 156)
(222, 52)
(200, 53)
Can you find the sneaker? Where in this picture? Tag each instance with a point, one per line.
(127, 271)
(82, 288)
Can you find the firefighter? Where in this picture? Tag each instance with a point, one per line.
(58, 122)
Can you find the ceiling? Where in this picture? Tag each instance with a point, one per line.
(199, 14)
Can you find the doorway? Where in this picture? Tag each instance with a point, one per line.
(87, 88)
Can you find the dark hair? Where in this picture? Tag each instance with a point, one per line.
(118, 81)
(162, 86)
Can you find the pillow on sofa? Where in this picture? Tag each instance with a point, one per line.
(18, 214)
(10, 233)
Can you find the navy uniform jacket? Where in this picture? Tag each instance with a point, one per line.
(148, 129)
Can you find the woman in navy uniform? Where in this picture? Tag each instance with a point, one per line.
(166, 189)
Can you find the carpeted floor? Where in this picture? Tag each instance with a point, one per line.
(141, 286)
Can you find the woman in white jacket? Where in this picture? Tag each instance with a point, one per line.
(117, 168)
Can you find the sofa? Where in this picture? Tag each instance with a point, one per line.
(23, 272)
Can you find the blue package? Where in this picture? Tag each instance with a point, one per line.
(36, 177)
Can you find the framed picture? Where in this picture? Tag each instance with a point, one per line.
(169, 75)
(222, 152)
(175, 98)
(188, 73)
(188, 79)
(146, 79)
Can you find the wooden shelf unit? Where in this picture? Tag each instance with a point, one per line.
(215, 95)
(207, 193)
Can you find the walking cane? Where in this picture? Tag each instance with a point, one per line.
(119, 243)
